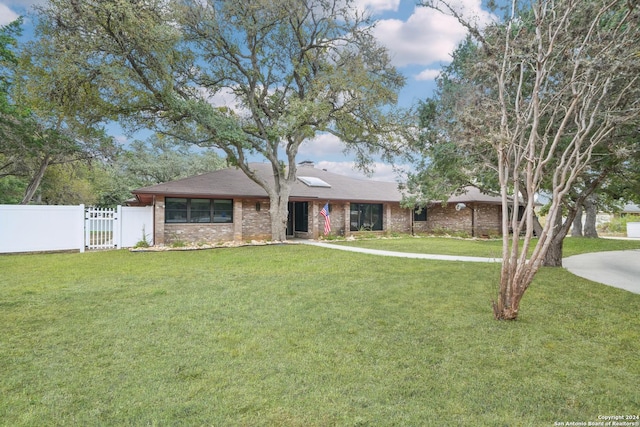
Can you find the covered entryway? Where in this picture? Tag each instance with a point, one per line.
(298, 219)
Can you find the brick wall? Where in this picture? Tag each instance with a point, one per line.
(446, 218)
(252, 222)
(256, 224)
(399, 220)
(488, 220)
(198, 233)
(248, 224)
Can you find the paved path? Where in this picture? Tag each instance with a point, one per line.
(620, 269)
(400, 254)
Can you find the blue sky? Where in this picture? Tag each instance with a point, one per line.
(419, 40)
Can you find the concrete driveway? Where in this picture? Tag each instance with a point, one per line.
(620, 269)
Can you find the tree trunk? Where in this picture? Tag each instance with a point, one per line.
(537, 227)
(35, 181)
(279, 211)
(553, 257)
(591, 208)
(508, 304)
(576, 230)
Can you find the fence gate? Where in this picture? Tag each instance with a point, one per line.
(100, 228)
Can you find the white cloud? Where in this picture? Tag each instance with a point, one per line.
(427, 36)
(381, 171)
(427, 74)
(377, 6)
(224, 98)
(322, 146)
(7, 15)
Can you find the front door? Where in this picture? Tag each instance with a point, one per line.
(298, 219)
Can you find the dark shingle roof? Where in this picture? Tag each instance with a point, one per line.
(474, 195)
(232, 182)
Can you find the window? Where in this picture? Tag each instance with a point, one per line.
(420, 214)
(181, 210)
(200, 210)
(222, 210)
(175, 210)
(366, 216)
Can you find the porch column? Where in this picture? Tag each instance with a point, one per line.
(387, 217)
(158, 216)
(347, 219)
(237, 220)
(315, 211)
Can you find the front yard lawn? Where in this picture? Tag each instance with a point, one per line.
(482, 247)
(292, 335)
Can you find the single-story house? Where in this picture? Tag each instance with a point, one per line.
(225, 205)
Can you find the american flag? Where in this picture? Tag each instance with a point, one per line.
(327, 222)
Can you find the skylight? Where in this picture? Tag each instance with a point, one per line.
(312, 181)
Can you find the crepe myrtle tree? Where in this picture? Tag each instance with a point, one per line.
(294, 68)
(557, 78)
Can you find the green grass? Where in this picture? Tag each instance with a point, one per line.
(482, 248)
(300, 336)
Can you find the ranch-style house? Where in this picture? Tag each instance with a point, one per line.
(225, 205)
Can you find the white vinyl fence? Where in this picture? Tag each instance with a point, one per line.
(55, 228)
(633, 229)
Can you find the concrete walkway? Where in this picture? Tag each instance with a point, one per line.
(620, 269)
(399, 254)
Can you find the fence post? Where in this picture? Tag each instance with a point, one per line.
(117, 228)
(83, 216)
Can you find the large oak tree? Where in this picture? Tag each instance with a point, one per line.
(295, 69)
(36, 133)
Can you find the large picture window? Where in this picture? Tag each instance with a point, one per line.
(366, 216)
(420, 214)
(181, 210)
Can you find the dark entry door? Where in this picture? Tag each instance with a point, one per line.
(298, 219)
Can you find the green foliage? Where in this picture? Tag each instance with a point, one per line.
(280, 335)
(144, 241)
(158, 159)
(618, 224)
(11, 190)
(8, 44)
(178, 243)
(163, 159)
(295, 70)
(35, 131)
(67, 184)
